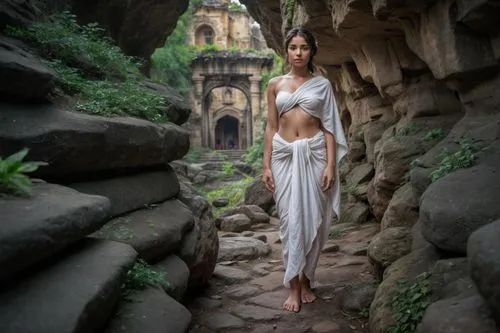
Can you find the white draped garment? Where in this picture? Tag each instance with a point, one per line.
(305, 210)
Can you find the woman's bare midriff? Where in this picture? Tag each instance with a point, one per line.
(297, 124)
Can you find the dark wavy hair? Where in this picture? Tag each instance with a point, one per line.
(310, 40)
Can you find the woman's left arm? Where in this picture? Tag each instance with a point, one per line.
(329, 173)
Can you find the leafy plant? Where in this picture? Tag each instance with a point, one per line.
(122, 98)
(12, 173)
(171, 63)
(236, 7)
(409, 304)
(59, 36)
(228, 168)
(435, 134)
(234, 191)
(142, 275)
(464, 157)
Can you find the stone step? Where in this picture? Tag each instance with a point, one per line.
(150, 311)
(75, 294)
(154, 232)
(132, 192)
(92, 144)
(34, 228)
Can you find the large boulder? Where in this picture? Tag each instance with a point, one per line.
(200, 246)
(24, 77)
(36, 227)
(403, 208)
(253, 212)
(77, 145)
(257, 194)
(139, 27)
(388, 246)
(407, 267)
(483, 249)
(449, 214)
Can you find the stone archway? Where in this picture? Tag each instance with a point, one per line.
(228, 69)
(226, 133)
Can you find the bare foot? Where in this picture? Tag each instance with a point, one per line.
(306, 294)
(292, 303)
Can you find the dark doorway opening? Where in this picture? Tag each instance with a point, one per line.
(226, 133)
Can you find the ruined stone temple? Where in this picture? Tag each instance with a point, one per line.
(227, 98)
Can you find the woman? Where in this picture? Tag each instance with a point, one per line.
(304, 142)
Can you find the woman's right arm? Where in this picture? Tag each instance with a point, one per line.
(271, 129)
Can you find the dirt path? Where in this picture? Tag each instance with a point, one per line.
(247, 296)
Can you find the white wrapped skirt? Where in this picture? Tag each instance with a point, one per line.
(305, 210)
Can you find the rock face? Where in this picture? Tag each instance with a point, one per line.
(24, 77)
(416, 85)
(76, 145)
(139, 27)
(201, 245)
(17, 13)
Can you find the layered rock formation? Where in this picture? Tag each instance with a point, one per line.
(413, 81)
(106, 197)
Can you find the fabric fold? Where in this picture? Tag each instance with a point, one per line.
(305, 210)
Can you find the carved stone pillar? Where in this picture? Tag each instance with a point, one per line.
(256, 108)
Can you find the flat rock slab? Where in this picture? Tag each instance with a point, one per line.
(256, 313)
(152, 311)
(154, 232)
(220, 321)
(129, 193)
(177, 276)
(34, 228)
(77, 293)
(241, 292)
(242, 248)
(230, 275)
(76, 144)
(271, 300)
(355, 249)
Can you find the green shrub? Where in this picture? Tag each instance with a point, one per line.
(464, 157)
(409, 304)
(60, 37)
(142, 275)
(235, 7)
(122, 98)
(12, 173)
(435, 134)
(107, 98)
(228, 168)
(234, 191)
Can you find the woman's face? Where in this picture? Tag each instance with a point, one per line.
(299, 52)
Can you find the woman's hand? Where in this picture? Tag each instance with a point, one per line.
(328, 179)
(267, 178)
